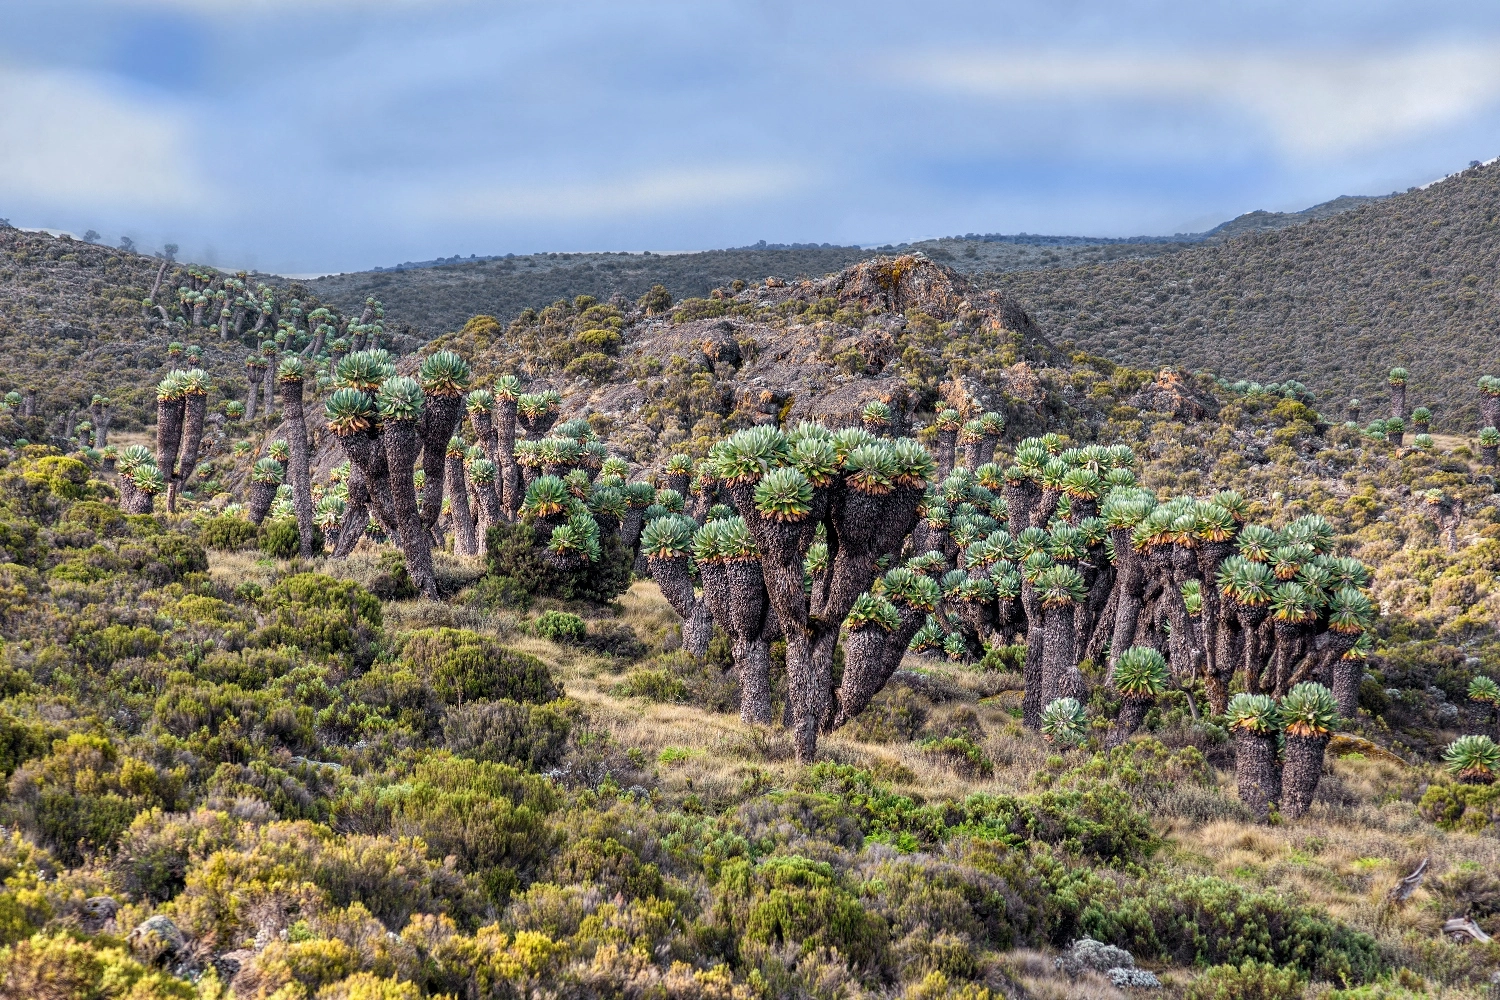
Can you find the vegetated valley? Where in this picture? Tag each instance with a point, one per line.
(835, 637)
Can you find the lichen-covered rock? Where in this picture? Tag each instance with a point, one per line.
(1086, 953)
(157, 941)
(1138, 979)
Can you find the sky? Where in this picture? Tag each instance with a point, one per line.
(314, 136)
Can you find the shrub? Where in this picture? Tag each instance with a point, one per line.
(1250, 981)
(228, 534)
(465, 666)
(59, 965)
(392, 582)
(514, 551)
(532, 737)
(615, 639)
(319, 613)
(559, 626)
(1472, 808)
(279, 538)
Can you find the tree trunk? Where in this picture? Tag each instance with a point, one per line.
(356, 513)
(300, 471)
(868, 668)
(1032, 668)
(1020, 497)
(255, 377)
(1132, 714)
(169, 417)
(458, 502)
(671, 575)
(1489, 408)
(1302, 771)
(440, 416)
(1490, 453)
(401, 446)
(1257, 772)
(261, 497)
(195, 405)
(1347, 675)
(946, 442)
(511, 490)
(1398, 400)
(1060, 675)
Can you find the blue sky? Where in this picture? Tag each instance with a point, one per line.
(306, 136)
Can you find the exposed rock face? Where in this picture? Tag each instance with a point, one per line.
(1171, 393)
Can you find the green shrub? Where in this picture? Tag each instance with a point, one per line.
(788, 900)
(465, 666)
(392, 582)
(228, 534)
(532, 737)
(279, 538)
(514, 551)
(559, 626)
(318, 613)
(490, 817)
(1472, 808)
(1251, 980)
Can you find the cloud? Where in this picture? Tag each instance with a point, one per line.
(1315, 104)
(67, 141)
(658, 191)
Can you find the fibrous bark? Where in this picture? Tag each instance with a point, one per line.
(401, 445)
(300, 471)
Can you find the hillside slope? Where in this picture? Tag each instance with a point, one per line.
(437, 300)
(1409, 281)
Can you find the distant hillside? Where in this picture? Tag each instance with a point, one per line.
(1408, 280)
(438, 296)
(436, 300)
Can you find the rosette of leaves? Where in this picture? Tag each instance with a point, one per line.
(1140, 675)
(615, 466)
(546, 498)
(1473, 760)
(784, 495)
(679, 471)
(1064, 723)
(876, 416)
(363, 370)
(1066, 544)
(955, 647)
(817, 459)
(1255, 722)
(1286, 560)
(872, 611)
(668, 537)
(578, 484)
(607, 504)
(1312, 531)
(265, 478)
(930, 563)
(670, 499)
(1489, 444)
(1192, 597)
(1308, 714)
(349, 411)
(720, 512)
(745, 457)
(929, 636)
(815, 563)
(1257, 542)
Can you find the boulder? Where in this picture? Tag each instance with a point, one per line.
(97, 913)
(157, 941)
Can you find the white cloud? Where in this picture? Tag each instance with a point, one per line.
(666, 190)
(1314, 104)
(67, 141)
